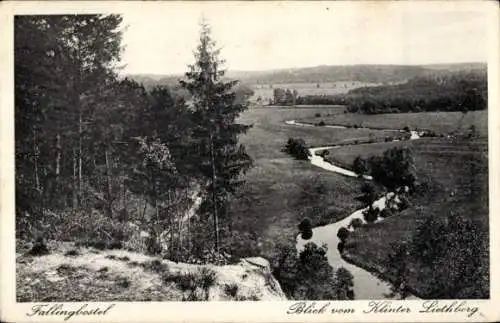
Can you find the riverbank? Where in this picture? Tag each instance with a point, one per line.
(281, 191)
(361, 253)
(381, 273)
(454, 174)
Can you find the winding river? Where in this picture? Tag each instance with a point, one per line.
(366, 285)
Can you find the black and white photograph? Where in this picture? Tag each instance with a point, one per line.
(246, 151)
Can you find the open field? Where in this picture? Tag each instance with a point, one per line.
(265, 91)
(440, 122)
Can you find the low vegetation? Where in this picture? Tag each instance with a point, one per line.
(297, 148)
(305, 228)
(440, 124)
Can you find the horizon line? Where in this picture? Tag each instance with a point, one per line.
(315, 66)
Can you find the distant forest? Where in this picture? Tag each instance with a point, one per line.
(440, 91)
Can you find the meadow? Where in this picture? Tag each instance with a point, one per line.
(440, 122)
(455, 170)
(265, 91)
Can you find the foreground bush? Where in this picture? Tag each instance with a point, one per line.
(310, 277)
(342, 234)
(371, 215)
(359, 166)
(386, 212)
(305, 225)
(456, 252)
(356, 223)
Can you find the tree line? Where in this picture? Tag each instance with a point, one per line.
(90, 144)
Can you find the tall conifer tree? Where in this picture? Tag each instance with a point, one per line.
(220, 157)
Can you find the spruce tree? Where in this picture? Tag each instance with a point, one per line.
(219, 156)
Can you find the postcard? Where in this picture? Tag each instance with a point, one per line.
(249, 161)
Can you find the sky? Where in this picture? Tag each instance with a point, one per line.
(160, 37)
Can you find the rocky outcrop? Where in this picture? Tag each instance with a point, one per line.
(119, 275)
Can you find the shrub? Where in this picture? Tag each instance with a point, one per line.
(369, 193)
(356, 223)
(297, 148)
(395, 168)
(39, 248)
(207, 278)
(345, 284)
(406, 128)
(342, 234)
(86, 228)
(323, 153)
(196, 284)
(359, 166)
(341, 247)
(231, 290)
(405, 203)
(115, 244)
(457, 249)
(307, 277)
(72, 252)
(317, 115)
(65, 269)
(155, 265)
(187, 282)
(123, 282)
(97, 244)
(306, 235)
(239, 244)
(305, 225)
(321, 123)
(386, 212)
(370, 215)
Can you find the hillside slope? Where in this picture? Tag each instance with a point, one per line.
(324, 73)
(87, 274)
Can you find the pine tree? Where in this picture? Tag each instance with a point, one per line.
(64, 66)
(220, 157)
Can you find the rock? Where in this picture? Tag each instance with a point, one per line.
(257, 261)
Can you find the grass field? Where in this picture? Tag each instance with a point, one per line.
(456, 187)
(265, 91)
(440, 122)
